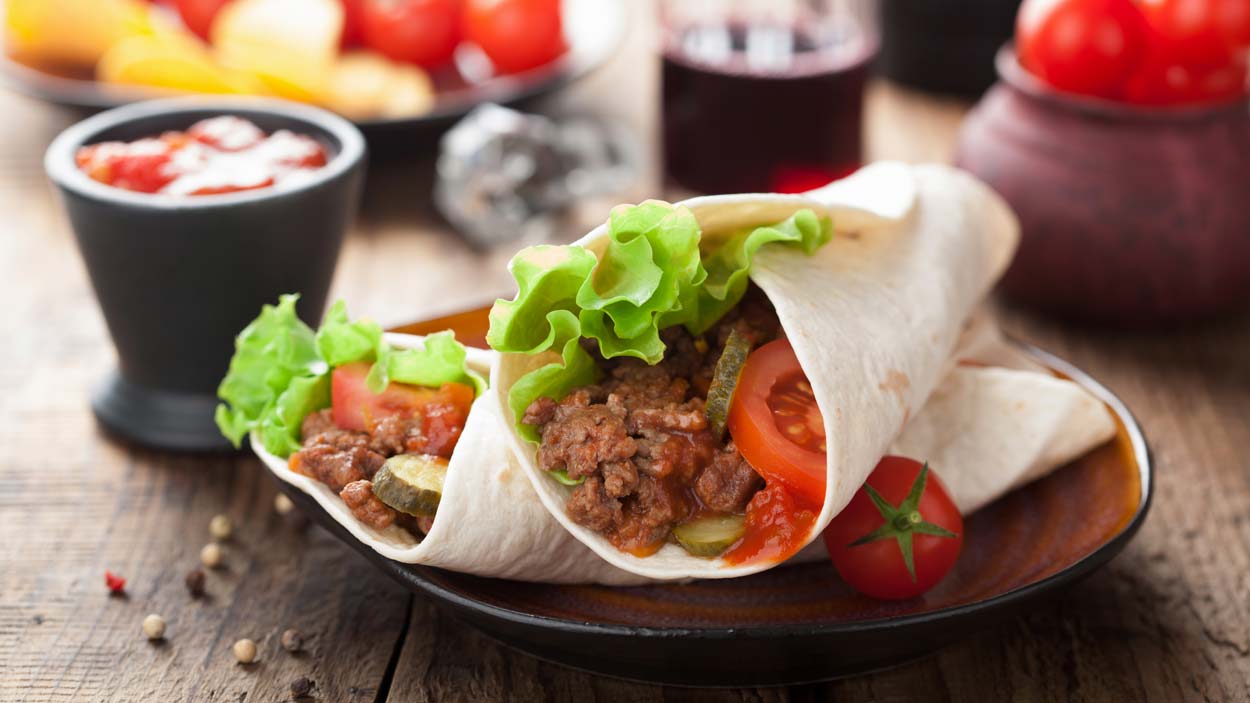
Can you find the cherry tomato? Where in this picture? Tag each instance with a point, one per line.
(1199, 32)
(1164, 80)
(912, 512)
(424, 32)
(198, 15)
(353, 23)
(1195, 52)
(776, 424)
(1081, 46)
(517, 35)
(443, 410)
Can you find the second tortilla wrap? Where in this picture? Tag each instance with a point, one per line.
(873, 318)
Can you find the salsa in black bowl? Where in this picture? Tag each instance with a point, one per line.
(178, 274)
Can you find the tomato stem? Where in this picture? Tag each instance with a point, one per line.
(903, 520)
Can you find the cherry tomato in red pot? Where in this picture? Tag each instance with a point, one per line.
(776, 424)
(900, 534)
(1081, 46)
(424, 32)
(1192, 54)
(517, 35)
(1199, 32)
(198, 15)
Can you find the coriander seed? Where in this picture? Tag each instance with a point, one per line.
(282, 504)
(220, 527)
(245, 651)
(154, 627)
(211, 555)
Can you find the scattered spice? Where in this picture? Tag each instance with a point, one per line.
(302, 687)
(220, 527)
(154, 627)
(211, 555)
(115, 583)
(245, 651)
(282, 504)
(292, 640)
(195, 583)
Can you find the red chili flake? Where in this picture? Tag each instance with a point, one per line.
(116, 584)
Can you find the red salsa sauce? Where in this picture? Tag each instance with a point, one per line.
(776, 525)
(224, 154)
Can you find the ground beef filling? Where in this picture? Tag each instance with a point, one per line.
(346, 461)
(640, 439)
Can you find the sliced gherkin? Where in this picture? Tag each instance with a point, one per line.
(720, 393)
(411, 483)
(710, 536)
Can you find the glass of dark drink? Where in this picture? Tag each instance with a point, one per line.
(764, 95)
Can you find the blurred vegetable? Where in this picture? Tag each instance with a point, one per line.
(291, 45)
(198, 15)
(353, 21)
(424, 32)
(517, 35)
(1196, 52)
(70, 32)
(365, 84)
(1090, 47)
(175, 62)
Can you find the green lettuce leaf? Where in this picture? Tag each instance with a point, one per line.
(652, 275)
(280, 371)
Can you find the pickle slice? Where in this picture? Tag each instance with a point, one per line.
(725, 380)
(710, 536)
(411, 483)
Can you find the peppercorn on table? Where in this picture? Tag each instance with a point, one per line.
(228, 596)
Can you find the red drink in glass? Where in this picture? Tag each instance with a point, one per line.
(763, 107)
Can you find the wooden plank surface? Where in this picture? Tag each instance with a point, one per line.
(1168, 620)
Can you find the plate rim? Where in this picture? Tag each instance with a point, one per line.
(412, 575)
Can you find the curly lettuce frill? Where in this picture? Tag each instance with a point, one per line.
(280, 371)
(652, 275)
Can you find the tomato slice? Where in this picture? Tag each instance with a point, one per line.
(355, 407)
(776, 424)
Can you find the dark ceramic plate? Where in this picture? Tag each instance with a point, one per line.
(594, 30)
(801, 623)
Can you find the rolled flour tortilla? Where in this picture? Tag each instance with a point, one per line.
(873, 318)
(489, 521)
(985, 430)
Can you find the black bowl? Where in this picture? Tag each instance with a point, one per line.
(179, 277)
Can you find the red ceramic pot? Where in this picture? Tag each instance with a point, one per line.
(1129, 215)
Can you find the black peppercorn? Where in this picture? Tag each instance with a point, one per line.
(195, 583)
(302, 687)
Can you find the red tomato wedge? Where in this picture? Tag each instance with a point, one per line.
(355, 407)
(776, 424)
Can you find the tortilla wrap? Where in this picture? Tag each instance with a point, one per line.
(873, 318)
(489, 521)
(985, 430)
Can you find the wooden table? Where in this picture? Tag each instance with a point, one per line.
(1169, 619)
